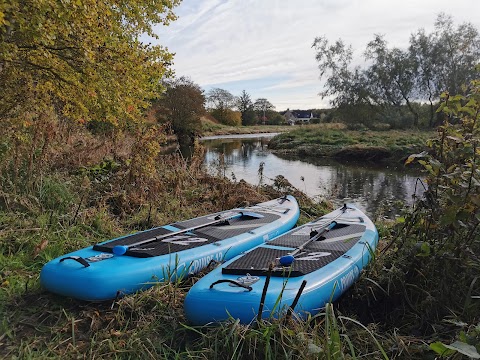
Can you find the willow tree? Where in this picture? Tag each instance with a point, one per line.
(393, 83)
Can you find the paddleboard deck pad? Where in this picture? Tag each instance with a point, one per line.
(169, 252)
(189, 240)
(314, 256)
(329, 261)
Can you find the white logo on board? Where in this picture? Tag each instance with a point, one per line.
(314, 256)
(99, 257)
(184, 240)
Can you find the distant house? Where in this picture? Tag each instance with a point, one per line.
(298, 116)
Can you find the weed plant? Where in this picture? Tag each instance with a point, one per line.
(425, 283)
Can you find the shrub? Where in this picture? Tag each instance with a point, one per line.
(437, 242)
(227, 117)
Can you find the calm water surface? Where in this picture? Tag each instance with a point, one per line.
(375, 189)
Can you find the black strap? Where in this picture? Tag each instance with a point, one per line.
(283, 199)
(297, 297)
(249, 288)
(77, 259)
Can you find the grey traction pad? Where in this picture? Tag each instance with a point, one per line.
(207, 235)
(313, 257)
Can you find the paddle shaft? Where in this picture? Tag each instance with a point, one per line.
(314, 238)
(164, 236)
(325, 229)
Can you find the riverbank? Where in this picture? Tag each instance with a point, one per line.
(342, 144)
(59, 216)
(77, 206)
(332, 140)
(394, 310)
(211, 128)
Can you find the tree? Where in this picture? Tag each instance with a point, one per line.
(227, 116)
(345, 86)
(245, 106)
(82, 61)
(276, 119)
(391, 76)
(220, 99)
(334, 63)
(244, 102)
(262, 106)
(425, 56)
(395, 81)
(64, 62)
(458, 53)
(181, 105)
(445, 59)
(221, 102)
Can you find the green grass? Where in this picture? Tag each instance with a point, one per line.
(210, 128)
(314, 140)
(151, 324)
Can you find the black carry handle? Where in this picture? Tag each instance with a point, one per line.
(283, 199)
(77, 259)
(249, 288)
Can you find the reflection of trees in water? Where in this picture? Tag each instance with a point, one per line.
(240, 151)
(375, 187)
(378, 189)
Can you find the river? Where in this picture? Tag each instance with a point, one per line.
(377, 190)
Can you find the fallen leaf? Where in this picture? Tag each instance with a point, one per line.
(40, 247)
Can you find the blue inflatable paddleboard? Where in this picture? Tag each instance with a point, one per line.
(317, 261)
(136, 262)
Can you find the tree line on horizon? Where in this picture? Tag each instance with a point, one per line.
(183, 103)
(394, 89)
(63, 67)
(397, 87)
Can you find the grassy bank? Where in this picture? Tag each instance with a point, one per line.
(56, 217)
(409, 301)
(91, 200)
(211, 128)
(317, 140)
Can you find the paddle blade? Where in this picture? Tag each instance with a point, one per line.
(119, 250)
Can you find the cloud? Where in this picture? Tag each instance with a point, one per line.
(266, 45)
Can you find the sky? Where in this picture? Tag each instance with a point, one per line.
(265, 46)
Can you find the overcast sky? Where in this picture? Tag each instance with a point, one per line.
(265, 46)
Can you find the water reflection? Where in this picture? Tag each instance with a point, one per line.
(373, 188)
